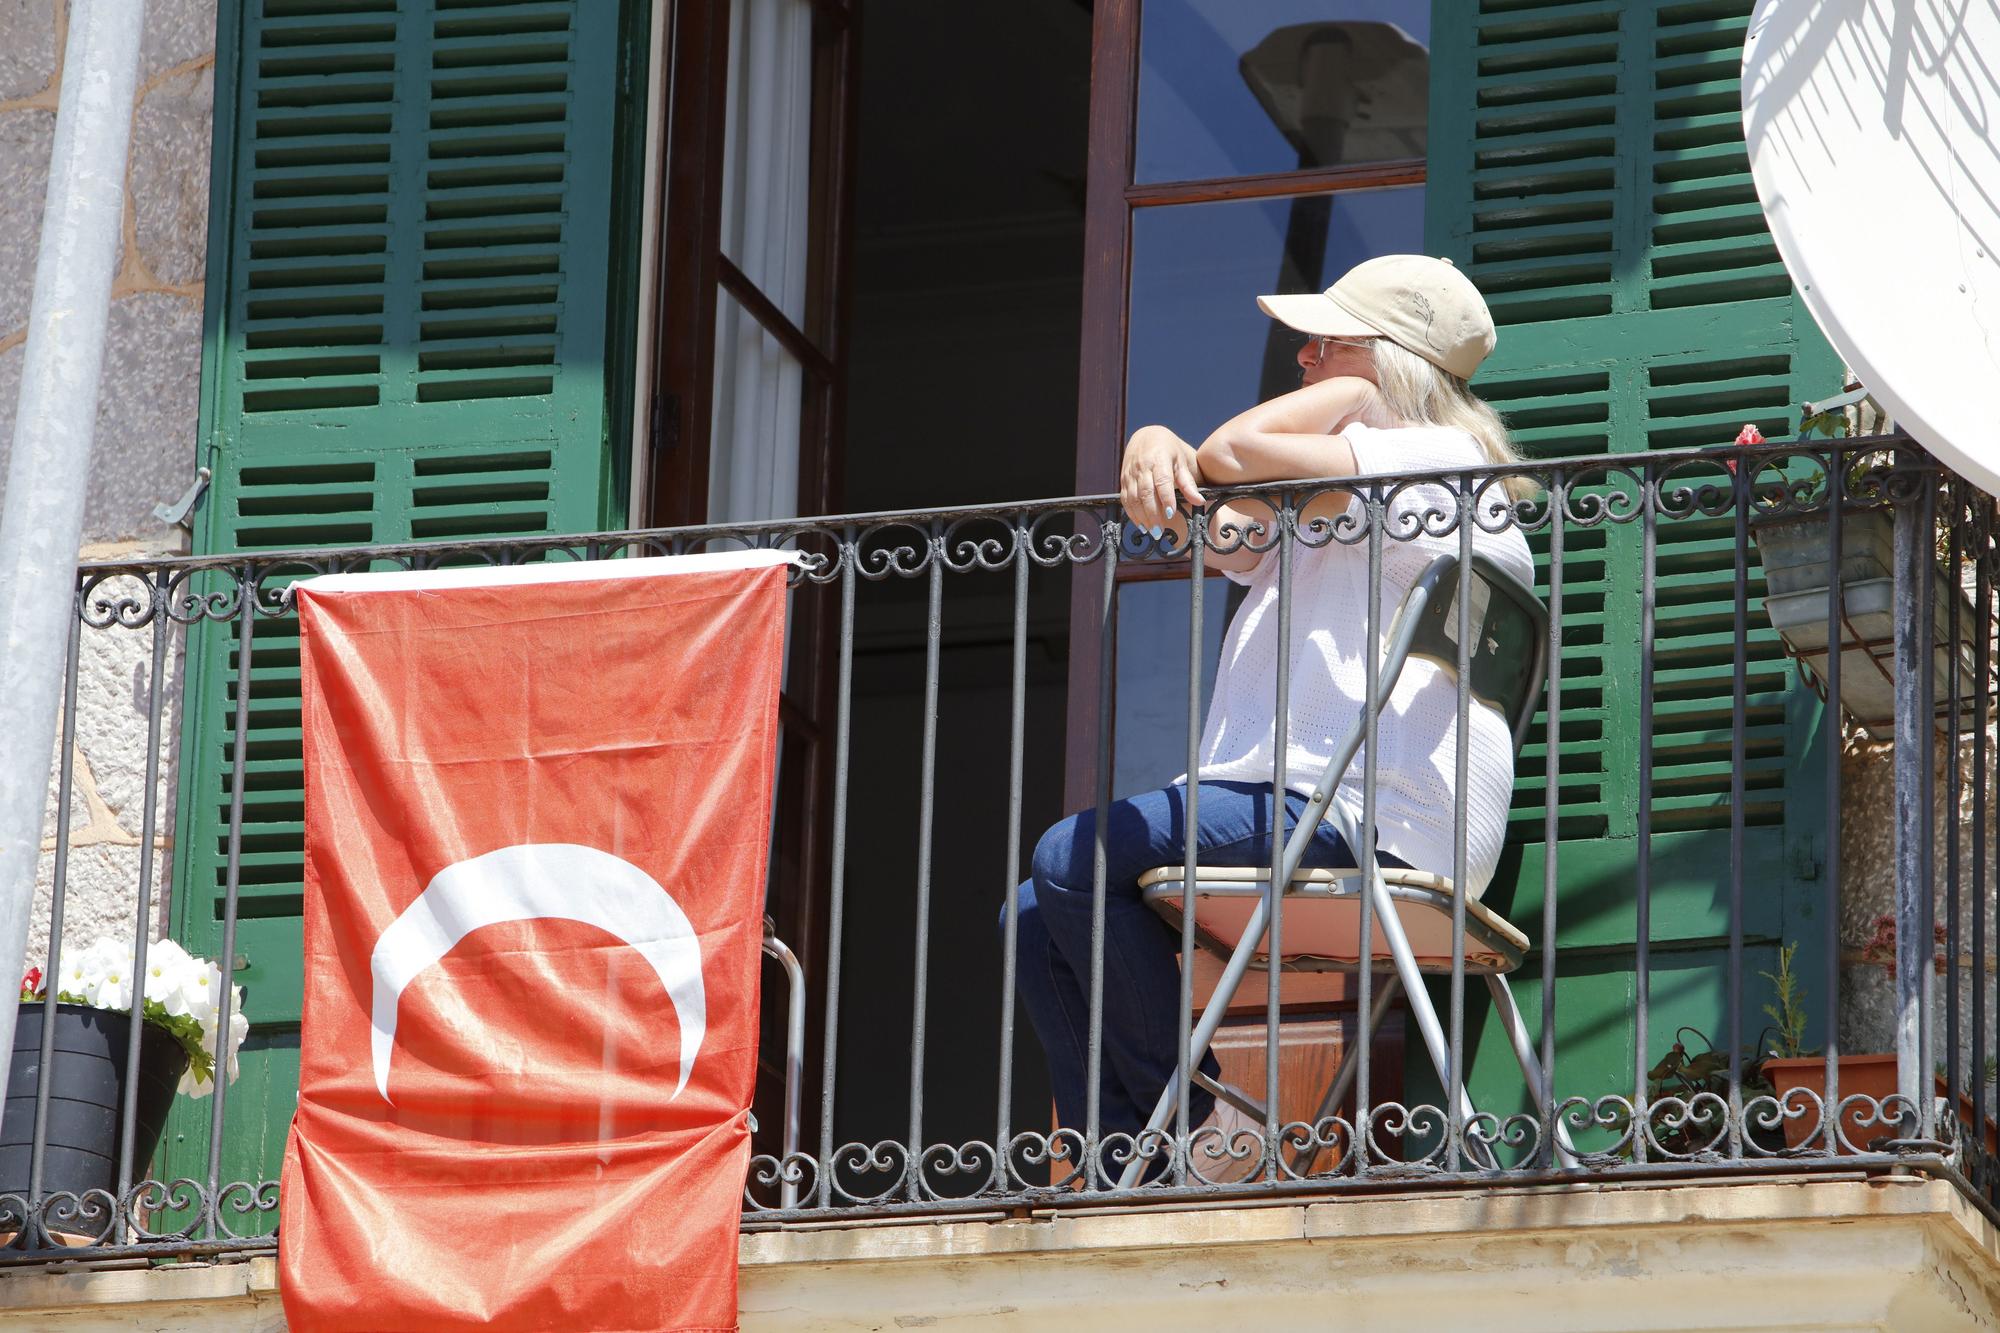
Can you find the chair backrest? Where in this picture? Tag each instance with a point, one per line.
(1510, 635)
(1504, 667)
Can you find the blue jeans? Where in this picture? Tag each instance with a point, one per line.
(1141, 1042)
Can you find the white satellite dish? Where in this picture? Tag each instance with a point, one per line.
(1874, 136)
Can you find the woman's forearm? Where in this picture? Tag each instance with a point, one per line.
(1245, 458)
(1287, 438)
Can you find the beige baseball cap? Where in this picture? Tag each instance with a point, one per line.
(1418, 302)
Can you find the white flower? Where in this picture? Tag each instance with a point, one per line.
(104, 976)
(205, 1009)
(111, 990)
(166, 964)
(197, 990)
(185, 986)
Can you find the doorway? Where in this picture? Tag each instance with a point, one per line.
(962, 352)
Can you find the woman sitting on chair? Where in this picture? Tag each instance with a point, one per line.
(1383, 391)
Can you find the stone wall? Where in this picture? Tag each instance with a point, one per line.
(1868, 891)
(144, 452)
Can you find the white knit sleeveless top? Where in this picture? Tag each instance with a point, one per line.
(1417, 766)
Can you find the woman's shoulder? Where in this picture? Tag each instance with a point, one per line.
(1390, 448)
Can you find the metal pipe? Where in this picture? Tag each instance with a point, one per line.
(1951, 800)
(1551, 814)
(1112, 529)
(1739, 666)
(1190, 848)
(1642, 961)
(55, 421)
(1836, 616)
(1461, 866)
(58, 894)
(1982, 620)
(1016, 770)
(246, 636)
(795, 1058)
(1911, 547)
(1365, 853)
(142, 928)
(1927, 800)
(1282, 867)
(837, 857)
(926, 818)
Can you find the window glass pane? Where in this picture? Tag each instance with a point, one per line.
(753, 459)
(1243, 87)
(766, 163)
(1199, 350)
(1150, 738)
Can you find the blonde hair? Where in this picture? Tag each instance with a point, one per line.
(1419, 393)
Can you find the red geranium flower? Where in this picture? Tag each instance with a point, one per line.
(31, 984)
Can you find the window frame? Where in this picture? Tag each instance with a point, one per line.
(690, 274)
(1111, 198)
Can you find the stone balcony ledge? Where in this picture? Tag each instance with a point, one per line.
(1900, 1254)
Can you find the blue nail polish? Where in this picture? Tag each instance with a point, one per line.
(1156, 530)
(1170, 511)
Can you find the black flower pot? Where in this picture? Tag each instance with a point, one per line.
(86, 1096)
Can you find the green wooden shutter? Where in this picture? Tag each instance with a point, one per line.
(409, 273)
(1588, 171)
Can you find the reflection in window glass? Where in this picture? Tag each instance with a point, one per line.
(1199, 350)
(1150, 737)
(1243, 87)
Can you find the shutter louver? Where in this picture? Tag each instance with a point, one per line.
(411, 347)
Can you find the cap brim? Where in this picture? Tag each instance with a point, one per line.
(1316, 314)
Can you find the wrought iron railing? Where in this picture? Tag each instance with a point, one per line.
(1666, 780)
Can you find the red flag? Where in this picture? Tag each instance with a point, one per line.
(537, 808)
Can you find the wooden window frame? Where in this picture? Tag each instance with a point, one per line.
(1111, 198)
(692, 270)
(691, 274)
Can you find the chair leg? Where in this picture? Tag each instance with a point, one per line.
(1531, 1068)
(1236, 1097)
(1350, 1067)
(1204, 1031)
(1421, 1007)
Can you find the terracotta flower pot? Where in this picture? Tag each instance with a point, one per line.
(1873, 1075)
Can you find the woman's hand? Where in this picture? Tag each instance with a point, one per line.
(1160, 469)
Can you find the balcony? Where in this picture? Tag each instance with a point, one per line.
(1697, 850)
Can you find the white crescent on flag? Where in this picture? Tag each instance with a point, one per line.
(534, 881)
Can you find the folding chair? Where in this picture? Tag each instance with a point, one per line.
(1412, 909)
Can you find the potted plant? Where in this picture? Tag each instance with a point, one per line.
(178, 998)
(1795, 552)
(1869, 1074)
(1686, 1074)
(1789, 1065)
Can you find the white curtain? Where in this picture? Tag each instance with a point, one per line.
(754, 449)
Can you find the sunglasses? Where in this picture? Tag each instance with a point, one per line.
(1320, 342)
